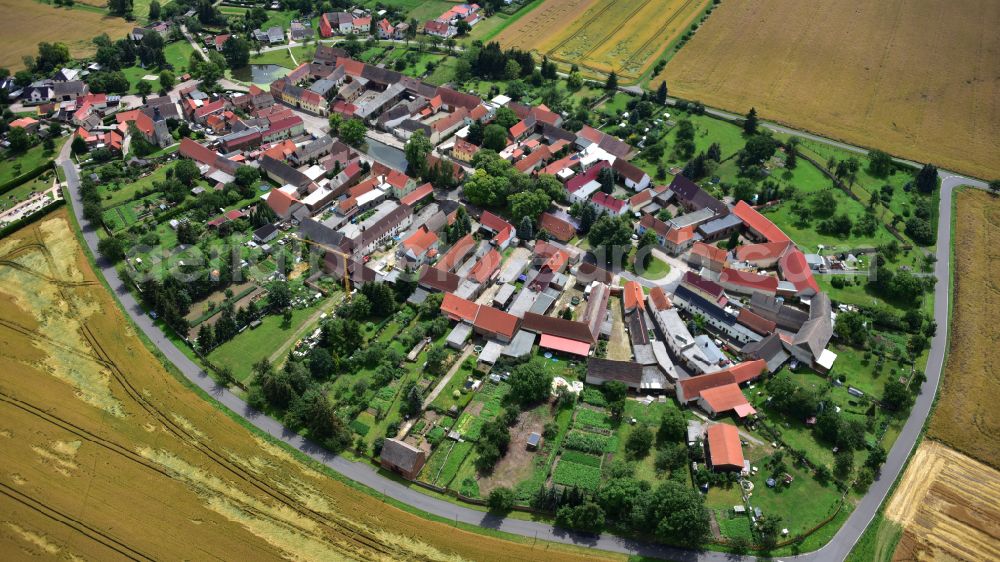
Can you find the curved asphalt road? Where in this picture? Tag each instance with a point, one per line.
(836, 549)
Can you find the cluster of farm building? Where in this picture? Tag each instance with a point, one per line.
(756, 307)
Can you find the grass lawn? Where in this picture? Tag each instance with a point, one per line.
(658, 269)
(801, 505)
(178, 54)
(14, 165)
(279, 57)
(241, 352)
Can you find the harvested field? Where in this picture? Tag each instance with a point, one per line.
(947, 504)
(106, 455)
(624, 36)
(966, 417)
(29, 22)
(918, 79)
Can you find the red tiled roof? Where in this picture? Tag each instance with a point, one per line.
(608, 201)
(648, 221)
(457, 308)
(518, 129)
(280, 202)
(529, 161)
(557, 227)
(759, 223)
(496, 321)
(756, 281)
(210, 108)
(724, 448)
(561, 164)
(766, 251)
(457, 252)
(747, 370)
(486, 266)
(680, 235)
(725, 398)
(420, 241)
(397, 179)
(795, 269)
(640, 199)
(709, 252)
(492, 222)
(634, 296)
(659, 298)
(23, 122)
(417, 194)
(757, 323)
(692, 387)
(564, 345)
(579, 180)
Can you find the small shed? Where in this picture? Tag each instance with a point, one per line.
(534, 441)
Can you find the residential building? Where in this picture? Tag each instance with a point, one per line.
(723, 449)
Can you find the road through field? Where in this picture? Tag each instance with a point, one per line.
(365, 474)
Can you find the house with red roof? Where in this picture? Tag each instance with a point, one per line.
(418, 194)
(29, 124)
(640, 200)
(747, 282)
(658, 300)
(456, 254)
(719, 392)
(705, 255)
(795, 269)
(723, 449)
(582, 186)
(486, 267)
(419, 247)
(385, 29)
(679, 240)
(633, 296)
(609, 204)
(556, 227)
(220, 41)
(283, 204)
(758, 226)
(459, 309)
(284, 129)
(495, 323)
(764, 255)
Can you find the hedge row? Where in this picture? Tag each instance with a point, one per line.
(25, 177)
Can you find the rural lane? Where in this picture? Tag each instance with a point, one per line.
(366, 474)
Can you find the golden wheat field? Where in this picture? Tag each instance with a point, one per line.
(107, 456)
(966, 416)
(625, 36)
(918, 79)
(949, 507)
(28, 22)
